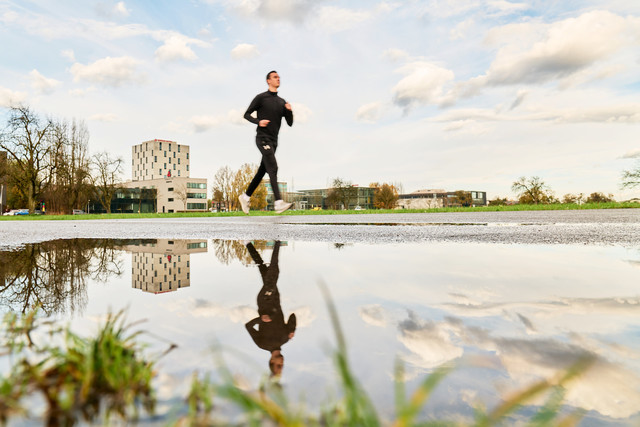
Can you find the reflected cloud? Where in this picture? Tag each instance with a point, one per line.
(373, 315)
(432, 344)
(609, 388)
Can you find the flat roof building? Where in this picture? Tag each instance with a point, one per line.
(164, 166)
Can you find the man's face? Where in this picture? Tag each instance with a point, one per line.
(274, 80)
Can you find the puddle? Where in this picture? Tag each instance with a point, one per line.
(512, 314)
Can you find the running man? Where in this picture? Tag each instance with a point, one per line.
(271, 109)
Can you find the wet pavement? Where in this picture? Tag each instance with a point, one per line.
(607, 227)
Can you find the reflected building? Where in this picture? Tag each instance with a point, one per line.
(162, 265)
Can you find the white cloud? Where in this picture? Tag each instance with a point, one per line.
(9, 98)
(244, 51)
(108, 117)
(175, 48)
(604, 114)
(41, 84)
(203, 123)
(395, 55)
(460, 30)
(301, 113)
(69, 54)
(369, 113)
(334, 19)
(539, 53)
(424, 84)
(633, 154)
(108, 71)
(121, 9)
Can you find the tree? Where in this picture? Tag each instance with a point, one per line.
(631, 178)
(385, 196)
(241, 180)
(598, 197)
(532, 191)
(463, 198)
(72, 178)
(222, 186)
(343, 191)
(573, 198)
(498, 201)
(106, 177)
(33, 149)
(182, 194)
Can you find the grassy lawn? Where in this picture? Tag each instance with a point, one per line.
(512, 208)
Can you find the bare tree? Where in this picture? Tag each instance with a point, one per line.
(33, 149)
(71, 183)
(344, 191)
(631, 178)
(532, 191)
(106, 177)
(222, 186)
(182, 194)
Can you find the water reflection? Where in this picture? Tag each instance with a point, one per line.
(269, 330)
(162, 265)
(525, 311)
(54, 274)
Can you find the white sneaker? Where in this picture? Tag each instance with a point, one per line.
(244, 202)
(280, 206)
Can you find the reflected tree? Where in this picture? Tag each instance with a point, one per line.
(228, 250)
(53, 275)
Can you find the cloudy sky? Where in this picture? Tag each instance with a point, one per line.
(448, 94)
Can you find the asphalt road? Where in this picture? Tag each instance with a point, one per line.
(593, 227)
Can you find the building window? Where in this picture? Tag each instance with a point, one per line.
(155, 158)
(178, 172)
(196, 205)
(159, 171)
(165, 154)
(187, 168)
(187, 156)
(165, 165)
(171, 199)
(178, 160)
(174, 154)
(169, 147)
(174, 166)
(170, 189)
(178, 148)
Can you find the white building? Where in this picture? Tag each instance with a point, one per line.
(164, 165)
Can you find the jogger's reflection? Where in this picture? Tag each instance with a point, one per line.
(269, 330)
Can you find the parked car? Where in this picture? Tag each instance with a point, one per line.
(22, 212)
(358, 208)
(78, 212)
(11, 212)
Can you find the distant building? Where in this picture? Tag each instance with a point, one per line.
(163, 166)
(430, 199)
(162, 265)
(317, 198)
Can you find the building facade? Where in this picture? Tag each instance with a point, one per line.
(163, 166)
(431, 199)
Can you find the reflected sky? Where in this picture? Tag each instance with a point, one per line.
(509, 314)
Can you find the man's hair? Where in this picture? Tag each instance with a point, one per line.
(270, 72)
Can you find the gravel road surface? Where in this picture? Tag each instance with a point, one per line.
(599, 227)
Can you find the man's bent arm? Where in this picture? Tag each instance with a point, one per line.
(288, 116)
(252, 107)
